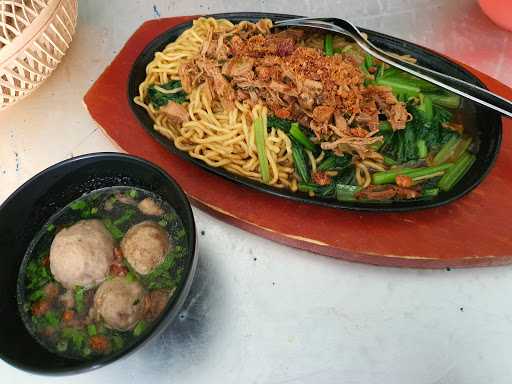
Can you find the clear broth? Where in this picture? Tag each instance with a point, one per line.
(77, 338)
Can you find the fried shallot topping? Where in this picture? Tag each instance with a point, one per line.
(248, 64)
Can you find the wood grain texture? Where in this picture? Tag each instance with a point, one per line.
(474, 231)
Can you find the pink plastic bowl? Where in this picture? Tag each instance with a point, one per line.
(499, 11)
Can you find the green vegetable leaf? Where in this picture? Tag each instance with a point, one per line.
(276, 122)
(159, 99)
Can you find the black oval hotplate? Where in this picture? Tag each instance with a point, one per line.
(486, 122)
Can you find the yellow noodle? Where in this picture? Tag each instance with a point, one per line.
(218, 137)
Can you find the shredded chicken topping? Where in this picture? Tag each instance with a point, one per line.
(325, 93)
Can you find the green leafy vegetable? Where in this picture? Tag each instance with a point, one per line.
(50, 227)
(276, 122)
(335, 163)
(301, 138)
(300, 161)
(159, 98)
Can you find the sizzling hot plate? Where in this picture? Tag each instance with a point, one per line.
(485, 122)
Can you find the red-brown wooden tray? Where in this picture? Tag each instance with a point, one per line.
(474, 231)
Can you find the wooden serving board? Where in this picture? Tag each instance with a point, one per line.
(474, 231)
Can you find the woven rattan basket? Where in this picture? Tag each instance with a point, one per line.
(34, 36)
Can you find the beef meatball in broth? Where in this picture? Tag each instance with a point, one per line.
(120, 303)
(145, 246)
(81, 254)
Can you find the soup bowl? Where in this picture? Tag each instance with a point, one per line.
(24, 213)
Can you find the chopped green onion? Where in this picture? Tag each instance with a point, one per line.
(86, 351)
(139, 328)
(133, 193)
(62, 345)
(50, 227)
(91, 330)
(79, 299)
(130, 277)
(260, 136)
(78, 205)
(117, 341)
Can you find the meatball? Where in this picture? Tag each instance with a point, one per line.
(81, 254)
(120, 303)
(145, 246)
(150, 207)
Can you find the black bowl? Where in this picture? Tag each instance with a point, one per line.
(485, 122)
(30, 206)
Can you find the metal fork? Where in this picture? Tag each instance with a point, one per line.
(452, 84)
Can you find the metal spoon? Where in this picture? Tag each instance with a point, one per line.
(452, 84)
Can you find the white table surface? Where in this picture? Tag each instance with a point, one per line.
(260, 312)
